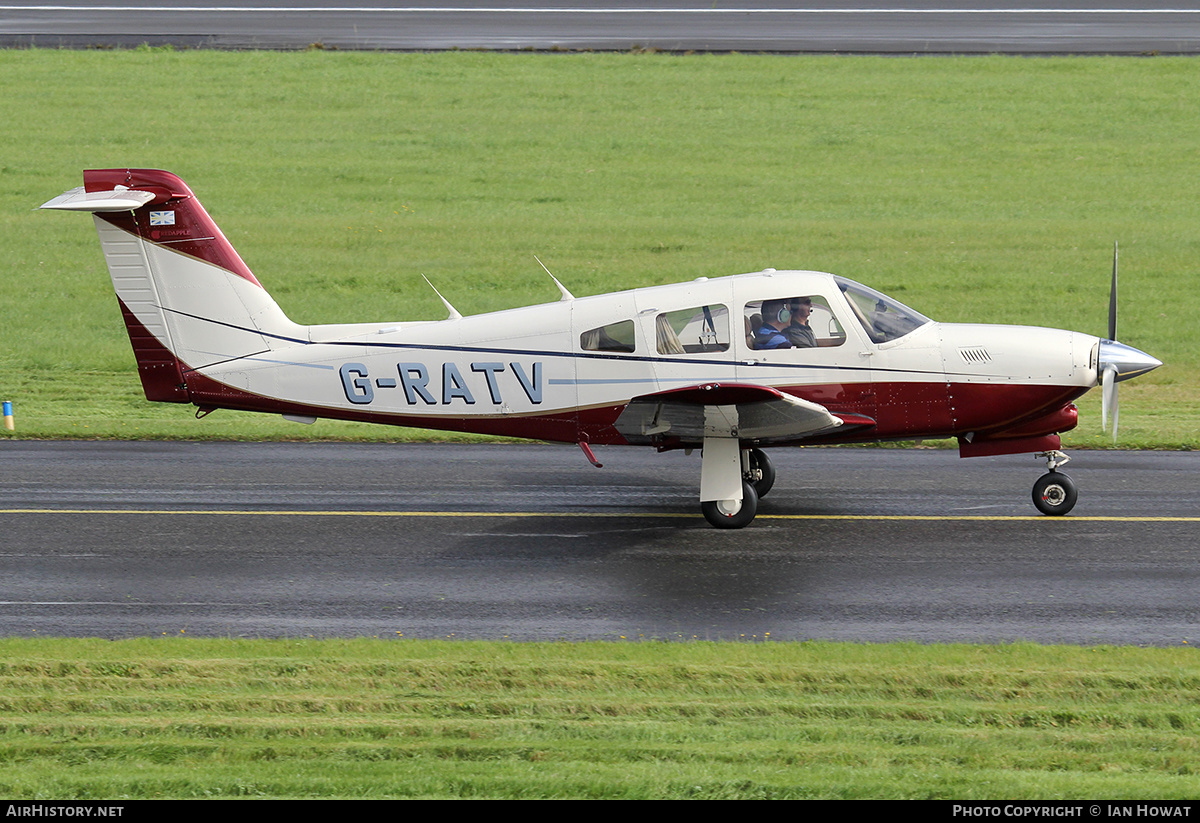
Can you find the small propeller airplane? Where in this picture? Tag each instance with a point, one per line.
(729, 365)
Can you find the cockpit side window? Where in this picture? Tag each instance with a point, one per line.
(692, 331)
(801, 322)
(881, 317)
(615, 337)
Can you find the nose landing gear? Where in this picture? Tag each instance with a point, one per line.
(1054, 493)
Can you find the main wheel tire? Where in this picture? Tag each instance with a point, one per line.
(759, 460)
(718, 517)
(1054, 494)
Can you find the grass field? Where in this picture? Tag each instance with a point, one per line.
(179, 718)
(975, 189)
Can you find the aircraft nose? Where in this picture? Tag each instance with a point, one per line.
(1124, 361)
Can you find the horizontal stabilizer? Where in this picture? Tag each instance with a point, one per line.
(119, 199)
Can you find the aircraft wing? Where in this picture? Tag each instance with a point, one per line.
(740, 410)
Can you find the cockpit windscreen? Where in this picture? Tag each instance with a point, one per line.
(882, 317)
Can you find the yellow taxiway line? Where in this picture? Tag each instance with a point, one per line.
(465, 514)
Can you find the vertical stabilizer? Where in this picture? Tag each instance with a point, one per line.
(188, 299)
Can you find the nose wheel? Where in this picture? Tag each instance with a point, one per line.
(1054, 493)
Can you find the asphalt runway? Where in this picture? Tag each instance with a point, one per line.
(919, 27)
(532, 543)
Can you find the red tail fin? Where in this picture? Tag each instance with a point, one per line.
(188, 299)
(174, 218)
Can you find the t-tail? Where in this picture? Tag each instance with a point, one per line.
(188, 299)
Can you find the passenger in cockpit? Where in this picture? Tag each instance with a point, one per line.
(770, 334)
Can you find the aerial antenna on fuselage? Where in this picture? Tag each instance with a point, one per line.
(566, 295)
(454, 315)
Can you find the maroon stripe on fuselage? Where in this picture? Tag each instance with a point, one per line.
(987, 408)
(902, 411)
(911, 410)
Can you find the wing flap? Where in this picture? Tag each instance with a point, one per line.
(757, 413)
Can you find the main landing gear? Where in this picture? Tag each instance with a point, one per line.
(732, 514)
(1054, 493)
(761, 471)
(732, 481)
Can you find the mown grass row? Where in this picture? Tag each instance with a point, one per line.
(369, 718)
(975, 189)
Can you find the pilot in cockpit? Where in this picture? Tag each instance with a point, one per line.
(797, 331)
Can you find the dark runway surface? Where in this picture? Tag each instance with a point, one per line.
(920, 27)
(530, 542)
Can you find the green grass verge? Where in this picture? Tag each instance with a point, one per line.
(980, 189)
(188, 718)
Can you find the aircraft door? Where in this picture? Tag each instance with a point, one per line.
(689, 334)
(805, 344)
(910, 391)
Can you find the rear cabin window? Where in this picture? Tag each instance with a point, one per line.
(697, 330)
(615, 337)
